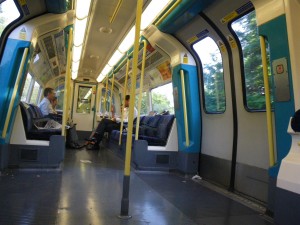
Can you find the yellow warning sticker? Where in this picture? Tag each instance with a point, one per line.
(221, 46)
(22, 2)
(229, 17)
(231, 41)
(185, 59)
(22, 34)
(192, 39)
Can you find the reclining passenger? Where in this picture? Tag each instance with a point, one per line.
(107, 125)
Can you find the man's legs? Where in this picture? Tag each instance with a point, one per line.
(105, 125)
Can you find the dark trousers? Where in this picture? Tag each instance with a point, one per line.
(105, 125)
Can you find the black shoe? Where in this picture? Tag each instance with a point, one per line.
(92, 146)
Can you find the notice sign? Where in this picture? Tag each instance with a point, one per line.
(165, 70)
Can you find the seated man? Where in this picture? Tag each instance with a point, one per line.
(46, 106)
(107, 125)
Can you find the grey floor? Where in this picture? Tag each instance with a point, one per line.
(88, 192)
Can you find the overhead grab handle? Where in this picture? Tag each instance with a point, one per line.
(13, 98)
(186, 125)
(268, 101)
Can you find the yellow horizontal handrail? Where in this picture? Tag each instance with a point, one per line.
(112, 19)
(13, 98)
(168, 12)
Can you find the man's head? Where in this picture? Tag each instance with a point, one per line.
(49, 93)
(127, 99)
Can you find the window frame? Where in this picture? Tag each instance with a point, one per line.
(200, 74)
(7, 30)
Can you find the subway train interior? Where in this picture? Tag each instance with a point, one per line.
(215, 85)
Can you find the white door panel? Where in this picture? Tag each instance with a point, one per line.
(83, 106)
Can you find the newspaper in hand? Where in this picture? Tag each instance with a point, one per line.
(51, 124)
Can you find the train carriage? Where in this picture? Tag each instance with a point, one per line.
(215, 84)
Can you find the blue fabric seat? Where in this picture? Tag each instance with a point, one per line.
(32, 116)
(154, 129)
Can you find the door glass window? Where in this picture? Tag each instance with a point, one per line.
(8, 13)
(84, 100)
(246, 30)
(60, 92)
(212, 75)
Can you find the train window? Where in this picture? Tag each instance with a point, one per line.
(26, 88)
(162, 98)
(144, 107)
(245, 29)
(84, 100)
(8, 13)
(69, 4)
(105, 108)
(212, 75)
(35, 93)
(60, 97)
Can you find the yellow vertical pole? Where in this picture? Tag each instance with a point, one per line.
(186, 125)
(112, 93)
(268, 101)
(124, 95)
(105, 97)
(13, 97)
(67, 84)
(141, 91)
(126, 181)
(70, 94)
